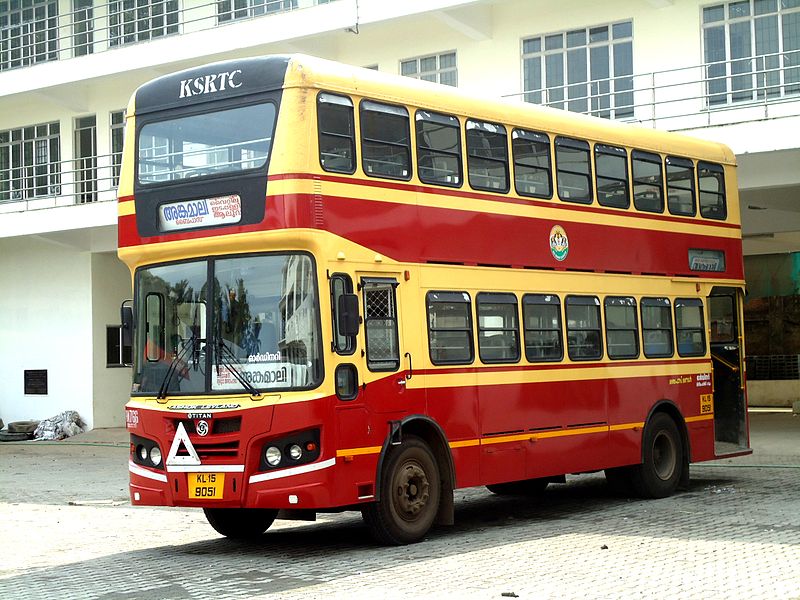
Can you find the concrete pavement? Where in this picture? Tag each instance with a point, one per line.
(69, 532)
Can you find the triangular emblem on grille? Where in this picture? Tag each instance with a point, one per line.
(190, 459)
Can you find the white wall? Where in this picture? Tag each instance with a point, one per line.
(45, 317)
(111, 284)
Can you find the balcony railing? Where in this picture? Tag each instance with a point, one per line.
(41, 34)
(707, 95)
(64, 183)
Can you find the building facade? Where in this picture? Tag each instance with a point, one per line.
(727, 71)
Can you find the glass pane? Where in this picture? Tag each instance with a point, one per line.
(623, 30)
(208, 144)
(712, 14)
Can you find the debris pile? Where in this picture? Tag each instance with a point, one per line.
(61, 426)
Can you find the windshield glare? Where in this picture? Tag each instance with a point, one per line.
(224, 141)
(261, 321)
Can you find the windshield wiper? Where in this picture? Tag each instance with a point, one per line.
(173, 367)
(228, 359)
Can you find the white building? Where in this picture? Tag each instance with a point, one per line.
(726, 70)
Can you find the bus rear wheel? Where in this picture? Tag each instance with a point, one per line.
(410, 490)
(527, 487)
(240, 523)
(663, 459)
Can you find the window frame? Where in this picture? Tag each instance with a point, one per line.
(494, 129)
(423, 116)
(678, 162)
(367, 105)
(343, 101)
(538, 137)
(574, 144)
(392, 284)
(543, 300)
(721, 195)
(644, 156)
(450, 297)
(498, 298)
(695, 303)
(582, 300)
(614, 151)
(661, 302)
(609, 328)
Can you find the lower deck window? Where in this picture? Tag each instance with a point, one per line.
(380, 325)
(449, 328)
(584, 338)
(498, 328)
(656, 327)
(689, 328)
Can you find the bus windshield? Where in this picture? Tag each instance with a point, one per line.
(212, 325)
(232, 140)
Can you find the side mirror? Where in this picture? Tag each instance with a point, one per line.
(126, 319)
(348, 321)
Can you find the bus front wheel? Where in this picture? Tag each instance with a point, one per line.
(240, 523)
(410, 491)
(663, 459)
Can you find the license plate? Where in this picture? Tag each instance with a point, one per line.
(206, 485)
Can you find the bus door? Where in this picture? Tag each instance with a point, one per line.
(730, 410)
(385, 367)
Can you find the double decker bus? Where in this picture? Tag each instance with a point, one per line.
(356, 291)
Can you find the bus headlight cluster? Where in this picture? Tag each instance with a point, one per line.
(146, 452)
(296, 449)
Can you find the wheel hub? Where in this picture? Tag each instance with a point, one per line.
(664, 456)
(412, 490)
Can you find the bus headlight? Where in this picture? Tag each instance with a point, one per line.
(273, 456)
(155, 456)
(295, 452)
(142, 451)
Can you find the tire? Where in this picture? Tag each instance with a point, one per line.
(410, 491)
(527, 487)
(23, 426)
(240, 523)
(660, 472)
(5, 436)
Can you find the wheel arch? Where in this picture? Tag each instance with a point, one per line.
(671, 409)
(432, 434)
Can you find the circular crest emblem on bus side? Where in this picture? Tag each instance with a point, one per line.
(202, 428)
(559, 243)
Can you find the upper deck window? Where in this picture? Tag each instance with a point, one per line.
(611, 164)
(487, 156)
(385, 140)
(711, 180)
(680, 186)
(438, 149)
(532, 170)
(574, 170)
(648, 180)
(213, 143)
(337, 137)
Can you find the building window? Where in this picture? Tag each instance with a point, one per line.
(82, 27)
(117, 128)
(132, 21)
(29, 162)
(118, 354)
(591, 69)
(752, 50)
(85, 159)
(28, 32)
(230, 10)
(438, 68)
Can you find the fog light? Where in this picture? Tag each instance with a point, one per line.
(155, 456)
(273, 456)
(142, 452)
(295, 452)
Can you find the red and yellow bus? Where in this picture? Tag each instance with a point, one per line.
(355, 291)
